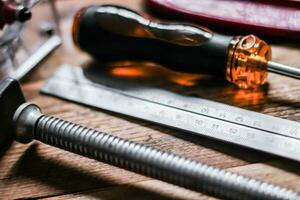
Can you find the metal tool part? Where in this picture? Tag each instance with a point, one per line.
(29, 123)
(22, 45)
(195, 115)
(10, 13)
(283, 70)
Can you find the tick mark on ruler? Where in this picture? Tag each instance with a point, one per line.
(199, 122)
(233, 130)
(201, 117)
(239, 119)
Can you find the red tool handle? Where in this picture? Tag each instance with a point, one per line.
(243, 16)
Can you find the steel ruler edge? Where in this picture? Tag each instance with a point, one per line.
(195, 115)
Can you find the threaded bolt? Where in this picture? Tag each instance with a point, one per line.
(30, 124)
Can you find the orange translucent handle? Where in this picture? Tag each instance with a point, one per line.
(247, 59)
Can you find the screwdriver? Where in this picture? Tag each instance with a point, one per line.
(114, 33)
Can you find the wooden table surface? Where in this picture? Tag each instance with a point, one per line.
(37, 170)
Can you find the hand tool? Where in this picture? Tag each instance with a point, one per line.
(10, 13)
(24, 45)
(289, 3)
(271, 18)
(25, 122)
(115, 33)
(194, 115)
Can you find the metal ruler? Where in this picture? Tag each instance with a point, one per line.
(198, 116)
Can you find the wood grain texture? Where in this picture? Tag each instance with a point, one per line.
(37, 170)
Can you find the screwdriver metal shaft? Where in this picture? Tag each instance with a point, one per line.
(282, 69)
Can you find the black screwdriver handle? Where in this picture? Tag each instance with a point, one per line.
(113, 33)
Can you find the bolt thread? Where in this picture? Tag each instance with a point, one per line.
(154, 163)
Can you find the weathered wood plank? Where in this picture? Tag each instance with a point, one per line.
(147, 190)
(153, 189)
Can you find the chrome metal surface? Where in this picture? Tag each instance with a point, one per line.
(282, 69)
(143, 159)
(24, 120)
(195, 115)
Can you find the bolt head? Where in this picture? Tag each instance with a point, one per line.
(11, 97)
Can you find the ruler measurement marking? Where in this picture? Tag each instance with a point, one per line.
(234, 115)
(203, 110)
(230, 134)
(238, 119)
(223, 123)
(264, 124)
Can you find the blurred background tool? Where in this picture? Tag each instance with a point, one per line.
(113, 33)
(289, 3)
(273, 19)
(10, 13)
(24, 45)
